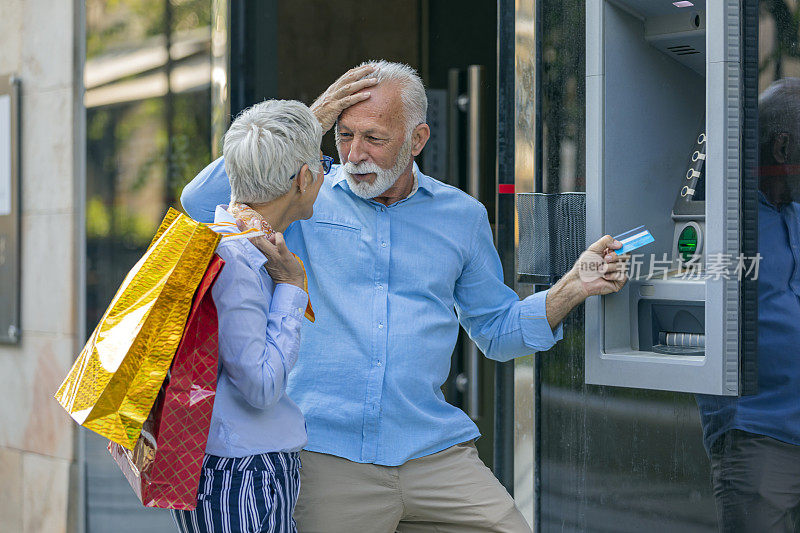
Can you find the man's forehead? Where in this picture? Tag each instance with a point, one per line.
(383, 109)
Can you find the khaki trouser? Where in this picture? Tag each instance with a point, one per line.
(448, 491)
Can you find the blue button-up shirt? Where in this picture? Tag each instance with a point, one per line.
(389, 286)
(775, 410)
(259, 341)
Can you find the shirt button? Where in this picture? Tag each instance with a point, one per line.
(383, 244)
(380, 325)
(379, 286)
(379, 363)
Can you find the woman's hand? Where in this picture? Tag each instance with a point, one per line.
(282, 265)
(341, 95)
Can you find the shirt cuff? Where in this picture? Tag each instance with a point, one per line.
(536, 331)
(289, 299)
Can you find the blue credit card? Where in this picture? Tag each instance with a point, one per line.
(633, 239)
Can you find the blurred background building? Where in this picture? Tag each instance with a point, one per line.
(124, 101)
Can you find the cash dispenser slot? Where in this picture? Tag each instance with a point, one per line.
(669, 317)
(672, 327)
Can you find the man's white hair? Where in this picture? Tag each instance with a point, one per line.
(266, 145)
(412, 91)
(779, 111)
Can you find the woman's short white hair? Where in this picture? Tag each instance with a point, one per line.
(267, 144)
(412, 91)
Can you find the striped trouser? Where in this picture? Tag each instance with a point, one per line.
(254, 494)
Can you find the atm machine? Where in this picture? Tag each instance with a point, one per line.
(667, 113)
(671, 143)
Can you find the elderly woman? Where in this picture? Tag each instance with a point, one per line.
(250, 478)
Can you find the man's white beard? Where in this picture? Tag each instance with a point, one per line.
(384, 178)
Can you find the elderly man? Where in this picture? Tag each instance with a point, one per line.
(754, 441)
(395, 260)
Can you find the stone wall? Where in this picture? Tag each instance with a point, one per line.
(42, 42)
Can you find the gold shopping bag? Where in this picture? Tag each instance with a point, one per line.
(114, 382)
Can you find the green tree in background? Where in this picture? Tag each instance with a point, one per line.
(114, 23)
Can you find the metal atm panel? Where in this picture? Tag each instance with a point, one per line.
(659, 80)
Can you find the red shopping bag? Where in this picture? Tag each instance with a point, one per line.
(164, 466)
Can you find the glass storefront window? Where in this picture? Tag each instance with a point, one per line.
(148, 114)
(148, 126)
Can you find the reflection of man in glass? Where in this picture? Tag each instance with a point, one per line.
(754, 441)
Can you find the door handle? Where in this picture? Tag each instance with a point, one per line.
(471, 104)
(475, 155)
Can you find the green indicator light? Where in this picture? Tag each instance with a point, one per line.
(687, 243)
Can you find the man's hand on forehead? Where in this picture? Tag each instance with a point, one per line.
(343, 93)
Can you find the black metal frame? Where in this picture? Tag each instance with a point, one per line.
(748, 294)
(504, 235)
(253, 52)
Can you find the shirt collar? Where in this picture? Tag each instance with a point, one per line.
(254, 257)
(791, 206)
(762, 199)
(421, 181)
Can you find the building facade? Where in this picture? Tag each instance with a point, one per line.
(43, 46)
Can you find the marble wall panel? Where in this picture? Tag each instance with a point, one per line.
(37, 455)
(47, 151)
(44, 494)
(11, 478)
(33, 420)
(10, 26)
(47, 44)
(48, 263)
